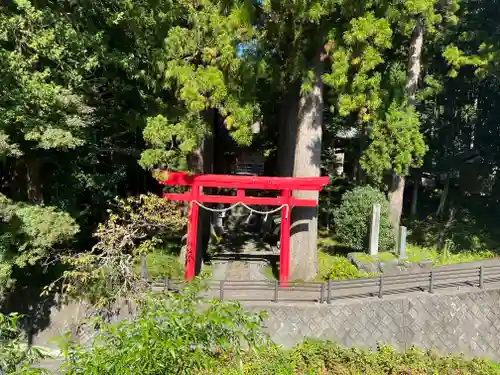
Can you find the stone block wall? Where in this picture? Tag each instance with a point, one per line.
(466, 322)
(454, 323)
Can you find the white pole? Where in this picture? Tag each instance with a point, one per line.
(402, 243)
(374, 230)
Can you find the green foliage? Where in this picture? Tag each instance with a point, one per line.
(171, 334)
(268, 360)
(333, 264)
(182, 58)
(15, 355)
(343, 269)
(397, 143)
(369, 51)
(324, 358)
(339, 267)
(160, 264)
(383, 256)
(199, 63)
(463, 233)
(325, 263)
(108, 272)
(352, 218)
(30, 234)
(359, 53)
(179, 333)
(448, 255)
(36, 111)
(80, 82)
(474, 47)
(88, 88)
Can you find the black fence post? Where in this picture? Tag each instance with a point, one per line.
(381, 287)
(481, 277)
(431, 282)
(276, 290)
(221, 290)
(329, 292)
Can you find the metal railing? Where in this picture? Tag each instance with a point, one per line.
(326, 292)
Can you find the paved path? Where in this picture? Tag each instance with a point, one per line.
(247, 264)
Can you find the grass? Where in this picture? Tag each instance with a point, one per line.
(384, 256)
(325, 358)
(324, 240)
(336, 267)
(417, 254)
(329, 266)
(160, 264)
(333, 263)
(326, 262)
(269, 273)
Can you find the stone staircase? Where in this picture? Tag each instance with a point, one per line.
(248, 263)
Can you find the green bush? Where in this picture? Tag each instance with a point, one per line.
(342, 269)
(15, 355)
(352, 219)
(326, 358)
(171, 334)
(264, 361)
(160, 264)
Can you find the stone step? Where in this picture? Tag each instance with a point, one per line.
(246, 256)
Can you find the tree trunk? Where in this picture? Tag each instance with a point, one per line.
(304, 230)
(34, 180)
(444, 196)
(414, 71)
(415, 61)
(288, 133)
(201, 161)
(396, 201)
(417, 175)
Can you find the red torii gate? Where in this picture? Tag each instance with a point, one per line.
(241, 183)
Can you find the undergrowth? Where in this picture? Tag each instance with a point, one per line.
(334, 265)
(325, 358)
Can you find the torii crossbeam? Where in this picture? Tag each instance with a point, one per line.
(285, 185)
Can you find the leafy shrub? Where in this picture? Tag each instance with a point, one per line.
(342, 269)
(160, 264)
(326, 358)
(462, 234)
(171, 334)
(28, 234)
(14, 354)
(417, 254)
(352, 219)
(108, 273)
(263, 361)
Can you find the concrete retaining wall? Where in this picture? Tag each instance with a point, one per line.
(455, 322)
